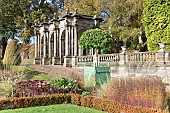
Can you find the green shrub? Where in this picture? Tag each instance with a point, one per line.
(12, 55)
(156, 21)
(96, 38)
(64, 83)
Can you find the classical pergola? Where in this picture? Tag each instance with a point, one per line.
(56, 41)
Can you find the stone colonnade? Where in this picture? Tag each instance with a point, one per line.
(56, 41)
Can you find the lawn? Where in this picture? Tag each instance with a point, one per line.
(62, 108)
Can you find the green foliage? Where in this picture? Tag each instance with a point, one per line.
(96, 38)
(85, 93)
(64, 83)
(127, 35)
(12, 56)
(156, 21)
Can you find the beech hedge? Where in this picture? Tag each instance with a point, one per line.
(86, 101)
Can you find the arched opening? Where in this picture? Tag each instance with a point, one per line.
(41, 47)
(51, 41)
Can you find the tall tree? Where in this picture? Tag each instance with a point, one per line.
(17, 16)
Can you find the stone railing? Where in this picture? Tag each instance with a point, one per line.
(141, 56)
(81, 59)
(108, 58)
(161, 57)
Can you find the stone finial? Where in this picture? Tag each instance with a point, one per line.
(67, 11)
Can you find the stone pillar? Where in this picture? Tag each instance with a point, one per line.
(80, 51)
(36, 45)
(56, 59)
(37, 59)
(39, 45)
(69, 40)
(66, 42)
(44, 59)
(60, 46)
(160, 55)
(122, 56)
(49, 44)
(45, 46)
(75, 36)
(55, 44)
(72, 41)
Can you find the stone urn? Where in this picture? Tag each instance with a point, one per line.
(161, 46)
(123, 49)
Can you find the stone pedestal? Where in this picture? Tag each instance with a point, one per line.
(45, 61)
(56, 61)
(67, 61)
(37, 61)
(74, 61)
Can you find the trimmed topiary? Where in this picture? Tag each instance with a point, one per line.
(96, 38)
(156, 21)
(12, 56)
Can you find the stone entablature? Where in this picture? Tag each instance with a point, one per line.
(57, 40)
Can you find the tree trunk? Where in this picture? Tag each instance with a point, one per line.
(3, 44)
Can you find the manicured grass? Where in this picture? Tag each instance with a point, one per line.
(62, 108)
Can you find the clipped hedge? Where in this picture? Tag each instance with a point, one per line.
(156, 21)
(86, 101)
(34, 101)
(12, 55)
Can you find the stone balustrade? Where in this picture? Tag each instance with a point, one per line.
(108, 58)
(81, 59)
(123, 58)
(141, 56)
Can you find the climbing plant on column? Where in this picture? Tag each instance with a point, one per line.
(156, 21)
(96, 38)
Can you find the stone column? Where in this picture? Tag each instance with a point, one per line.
(49, 44)
(75, 37)
(36, 45)
(60, 46)
(56, 59)
(37, 56)
(41, 46)
(72, 41)
(66, 42)
(55, 44)
(80, 51)
(122, 56)
(69, 40)
(44, 48)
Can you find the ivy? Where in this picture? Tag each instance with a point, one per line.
(156, 21)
